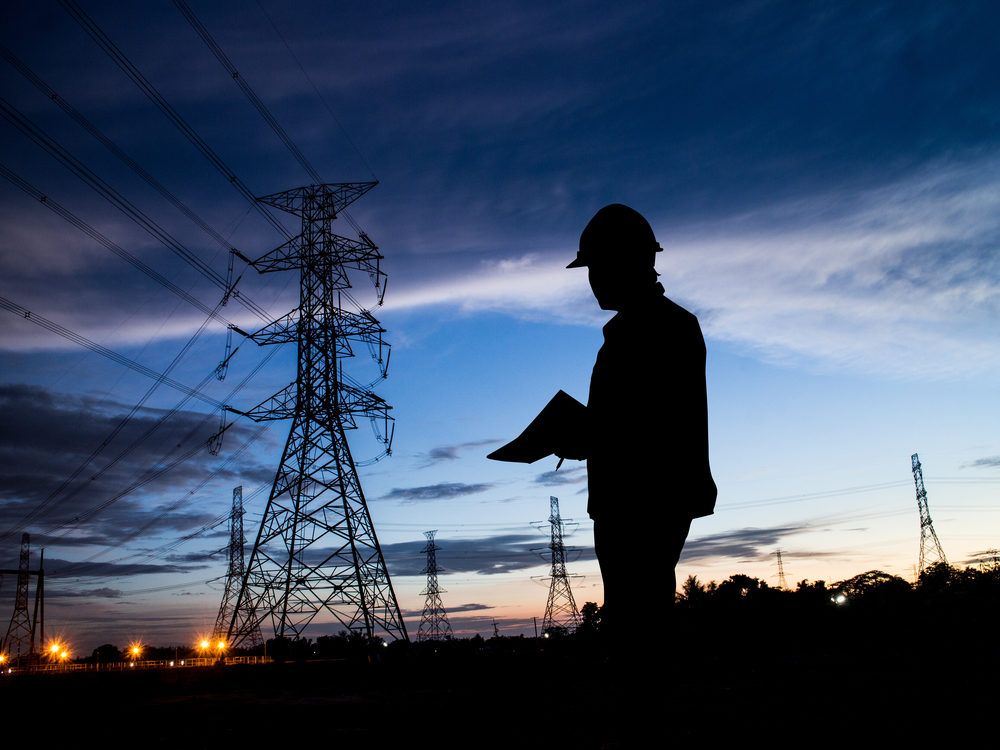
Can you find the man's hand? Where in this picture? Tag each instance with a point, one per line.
(573, 446)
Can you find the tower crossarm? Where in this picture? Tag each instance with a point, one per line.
(342, 324)
(361, 254)
(334, 197)
(350, 402)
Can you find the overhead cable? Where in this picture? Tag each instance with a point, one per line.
(127, 67)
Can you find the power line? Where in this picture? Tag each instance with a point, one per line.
(256, 101)
(119, 201)
(111, 146)
(130, 70)
(121, 359)
(245, 87)
(137, 484)
(44, 504)
(33, 192)
(319, 95)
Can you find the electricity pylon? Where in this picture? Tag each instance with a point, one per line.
(316, 553)
(930, 546)
(560, 611)
(434, 623)
(782, 583)
(20, 639)
(235, 575)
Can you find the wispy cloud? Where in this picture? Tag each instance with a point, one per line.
(66, 569)
(100, 593)
(989, 462)
(749, 544)
(452, 610)
(902, 280)
(568, 476)
(451, 452)
(47, 436)
(488, 556)
(439, 491)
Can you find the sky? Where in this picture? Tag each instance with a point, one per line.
(824, 180)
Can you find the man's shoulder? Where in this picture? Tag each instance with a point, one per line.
(656, 318)
(675, 315)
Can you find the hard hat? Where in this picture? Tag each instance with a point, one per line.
(616, 234)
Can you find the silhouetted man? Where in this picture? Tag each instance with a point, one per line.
(646, 440)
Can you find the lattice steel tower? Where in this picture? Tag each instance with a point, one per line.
(20, 639)
(560, 611)
(235, 575)
(316, 553)
(930, 545)
(434, 623)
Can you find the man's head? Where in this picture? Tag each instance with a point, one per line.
(619, 249)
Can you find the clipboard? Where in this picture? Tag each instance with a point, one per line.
(562, 414)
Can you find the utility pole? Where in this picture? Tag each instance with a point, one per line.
(434, 623)
(560, 611)
(234, 576)
(930, 546)
(316, 554)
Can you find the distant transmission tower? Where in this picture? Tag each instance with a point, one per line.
(20, 638)
(434, 623)
(235, 575)
(782, 583)
(560, 611)
(316, 553)
(930, 545)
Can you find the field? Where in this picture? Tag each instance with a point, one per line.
(721, 686)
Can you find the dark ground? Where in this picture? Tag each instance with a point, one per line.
(784, 684)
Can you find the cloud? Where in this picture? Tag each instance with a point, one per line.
(451, 610)
(440, 491)
(900, 280)
(471, 607)
(99, 593)
(987, 461)
(987, 558)
(46, 437)
(568, 476)
(747, 544)
(450, 452)
(488, 556)
(56, 568)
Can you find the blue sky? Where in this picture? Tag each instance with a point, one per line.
(824, 181)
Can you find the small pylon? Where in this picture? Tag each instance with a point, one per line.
(434, 623)
(234, 576)
(930, 546)
(560, 611)
(20, 639)
(782, 583)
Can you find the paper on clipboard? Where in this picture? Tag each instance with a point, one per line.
(563, 414)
